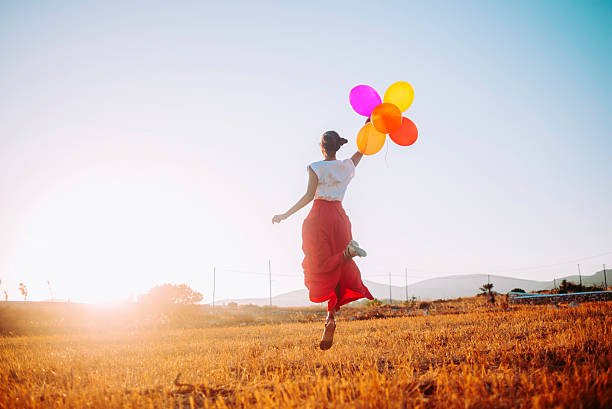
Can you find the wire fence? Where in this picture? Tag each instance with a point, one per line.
(263, 283)
(402, 279)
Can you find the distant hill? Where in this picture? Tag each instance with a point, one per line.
(440, 287)
(296, 298)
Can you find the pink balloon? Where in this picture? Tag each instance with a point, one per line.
(363, 99)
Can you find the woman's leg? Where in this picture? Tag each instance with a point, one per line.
(328, 332)
(325, 234)
(323, 257)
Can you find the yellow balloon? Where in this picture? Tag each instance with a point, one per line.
(369, 140)
(400, 94)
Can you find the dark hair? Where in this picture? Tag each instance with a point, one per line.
(331, 141)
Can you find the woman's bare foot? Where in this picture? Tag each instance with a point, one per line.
(328, 334)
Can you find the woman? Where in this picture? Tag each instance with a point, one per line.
(330, 274)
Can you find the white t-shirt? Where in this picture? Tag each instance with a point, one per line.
(334, 177)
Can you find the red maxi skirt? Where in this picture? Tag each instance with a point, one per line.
(326, 232)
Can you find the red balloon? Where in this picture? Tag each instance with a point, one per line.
(406, 134)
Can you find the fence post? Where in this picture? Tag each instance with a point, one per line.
(605, 278)
(390, 299)
(406, 277)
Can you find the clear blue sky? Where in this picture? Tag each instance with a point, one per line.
(146, 143)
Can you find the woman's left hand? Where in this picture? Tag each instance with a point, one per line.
(279, 218)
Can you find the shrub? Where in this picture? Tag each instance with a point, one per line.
(170, 294)
(424, 305)
(570, 287)
(374, 303)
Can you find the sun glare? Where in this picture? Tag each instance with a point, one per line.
(106, 240)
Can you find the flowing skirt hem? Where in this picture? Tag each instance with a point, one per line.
(333, 304)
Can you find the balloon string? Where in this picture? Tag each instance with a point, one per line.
(386, 153)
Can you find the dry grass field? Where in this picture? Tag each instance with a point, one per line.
(526, 357)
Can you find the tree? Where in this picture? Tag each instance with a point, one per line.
(486, 289)
(171, 294)
(570, 287)
(24, 290)
(517, 290)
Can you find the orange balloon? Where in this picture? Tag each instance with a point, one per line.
(406, 134)
(369, 140)
(386, 117)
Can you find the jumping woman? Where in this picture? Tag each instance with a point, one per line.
(330, 274)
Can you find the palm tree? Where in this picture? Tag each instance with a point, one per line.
(486, 290)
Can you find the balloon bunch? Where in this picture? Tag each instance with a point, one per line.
(386, 116)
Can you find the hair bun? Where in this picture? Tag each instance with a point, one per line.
(331, 141)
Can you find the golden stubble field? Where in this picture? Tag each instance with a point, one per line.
(532, 357)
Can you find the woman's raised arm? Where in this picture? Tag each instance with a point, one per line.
(356, 157)
(313, 180)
